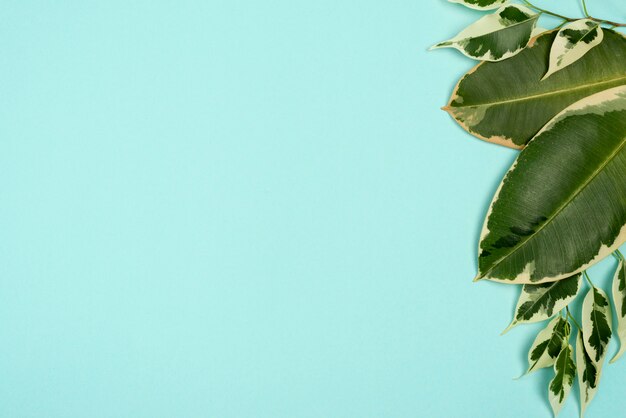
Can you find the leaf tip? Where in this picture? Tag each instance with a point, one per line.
(616, 356)
(507, 329)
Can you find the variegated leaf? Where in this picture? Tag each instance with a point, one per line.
(497, 36)
(543, 223)
(548, 344)
(539, 302)
(505, 103)
(573, 41)
(596, 324)
(619, 299)
(561, 385)
(481, 4)
(588, 374)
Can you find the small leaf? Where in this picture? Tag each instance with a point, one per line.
(561, 385)
(481, 4)
(497, 36)
(619, 298)
(572, 42)
(596, 324)
(548, 344)
(588, 374)
(539, 302)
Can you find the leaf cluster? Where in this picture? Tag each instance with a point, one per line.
(559, 96)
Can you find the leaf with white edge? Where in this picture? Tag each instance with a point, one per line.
(588, 374)
(561, 385)
(596, 324)
(505, 103)
(481, 4)
(497, 36)
(561, 207)
(572, 42)
(548, 344)
(539, 302)
(619, 299)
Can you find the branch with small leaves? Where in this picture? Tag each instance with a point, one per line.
(560, 97)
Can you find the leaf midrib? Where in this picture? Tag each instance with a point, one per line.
(540, 95)
(560, 208)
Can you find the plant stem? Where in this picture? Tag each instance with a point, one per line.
(588, 279)
(585, 8)
(569, 314)
(572, 19)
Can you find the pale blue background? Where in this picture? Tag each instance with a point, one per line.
(250, 209)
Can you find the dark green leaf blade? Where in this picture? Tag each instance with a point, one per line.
(561, 385)
(596, 324)
(619, 299)
(548, 344)
(588, 374)
(560, 208)
(505, 103)
(538, 302)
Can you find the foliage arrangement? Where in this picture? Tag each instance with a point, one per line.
(560, 97)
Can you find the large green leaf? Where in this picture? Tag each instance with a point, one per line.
(505, 102)
(588, 374)
(497, 36)
(548, 344)
(619, 299)
(562, 206)
(539, 302)
(561, 385)
(597, 322)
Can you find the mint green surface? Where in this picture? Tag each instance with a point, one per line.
(250, 209)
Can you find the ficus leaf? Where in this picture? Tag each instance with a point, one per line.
(596, 324)
(539, 302)
(506, 104)
(561, 385)
(497, 36)
(481, 4)
(588, 374)
(619, 299)
(572, 42)
(560, 207)
(548, 344)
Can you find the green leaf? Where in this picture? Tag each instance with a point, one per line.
(588, 374)
(539, 302)
(619, 298)
(548, 344)
(596, 324)
(506, 104)
(561, 385)
(572, 42)
(497, 36)
(561, 207)
(481, 4)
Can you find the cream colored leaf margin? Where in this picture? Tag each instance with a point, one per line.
(597, 323)
(561, 385)
(588, 374)
(476, 4)
(619, 293)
